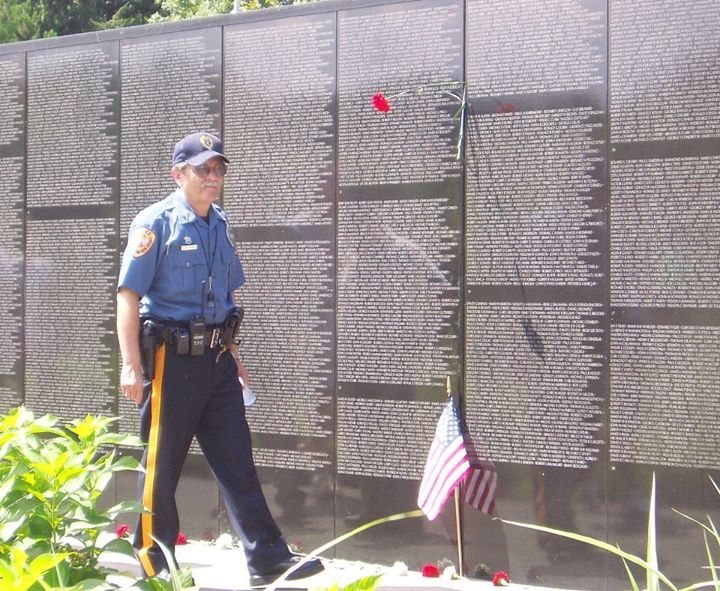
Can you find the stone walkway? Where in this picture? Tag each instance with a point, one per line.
(221, 569)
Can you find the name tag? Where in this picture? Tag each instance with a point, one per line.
(188, 247)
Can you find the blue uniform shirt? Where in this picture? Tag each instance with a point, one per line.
(180, 265)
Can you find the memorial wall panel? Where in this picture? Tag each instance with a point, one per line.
(398, 230)
(12, 231)
(663, 70)
(397, 49)
(536, 320)
(69, 332)
(72, 108)
(665, 150)
(71, 225)
(279, 133)
(171, 86)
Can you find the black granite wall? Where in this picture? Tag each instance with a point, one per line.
(563, 272)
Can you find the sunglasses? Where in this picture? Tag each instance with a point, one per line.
(203, 171)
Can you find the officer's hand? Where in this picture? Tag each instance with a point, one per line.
(242, 371)
(131, 382)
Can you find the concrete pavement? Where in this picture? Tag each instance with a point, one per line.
(223, 569)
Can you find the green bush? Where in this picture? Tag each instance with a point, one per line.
(51, 479)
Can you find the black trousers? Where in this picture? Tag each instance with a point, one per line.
(197, 396)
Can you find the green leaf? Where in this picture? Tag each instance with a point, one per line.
(45, 468)
(18, 558)
(44, 424)
(151, 585)
(365, 584)
(96, 522)
(69, 478)
(122, 440)
(695, 586)
(652, 559)
(45, 562)
(717, 488)
(633, 582)
(713, 529)
(8, 485)
(174, 571)
(124, 507)
(121, 546)
(713, 569)
(102, 482)
(7, 575)
(90, 427)
(91, 585)
(9, 528)
(125, 463)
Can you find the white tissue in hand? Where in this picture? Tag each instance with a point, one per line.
(248, 395)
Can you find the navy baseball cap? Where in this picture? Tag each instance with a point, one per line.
(198, 148)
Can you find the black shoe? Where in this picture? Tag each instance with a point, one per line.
(311, 566)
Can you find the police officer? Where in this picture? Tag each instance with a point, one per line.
(176, 320)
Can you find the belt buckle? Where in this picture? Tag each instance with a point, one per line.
(214, 338)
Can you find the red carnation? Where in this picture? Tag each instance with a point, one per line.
(181, 539)
(381, 103)
(506, 108)
(430, 570)
(122, 531)
(500, 579)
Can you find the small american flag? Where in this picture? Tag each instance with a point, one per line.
(452, 461)
(447, 463)
(481, 483)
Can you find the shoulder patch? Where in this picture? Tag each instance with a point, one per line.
(143, 240)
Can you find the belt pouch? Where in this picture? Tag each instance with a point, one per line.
(182, 342)
(197, 337)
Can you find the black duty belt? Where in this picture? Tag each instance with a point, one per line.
(170, 335)
(184, 340)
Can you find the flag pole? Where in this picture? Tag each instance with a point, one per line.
(458, 525)
(459, 531)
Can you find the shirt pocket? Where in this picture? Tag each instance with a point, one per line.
(189, 267)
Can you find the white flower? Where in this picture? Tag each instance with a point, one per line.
(399, 569)
(449, 572)
(224, 541)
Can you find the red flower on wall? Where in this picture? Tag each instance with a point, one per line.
(506, 108)
(181, 539)
(122, 531)
(500, 579)
(430, 570)
(380, 102)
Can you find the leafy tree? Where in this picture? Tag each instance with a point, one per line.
(18, 21)
(129, 13)
(32, 19)
(28, 19)
(171, 10)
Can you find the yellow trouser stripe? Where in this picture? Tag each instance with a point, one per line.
(155, 406)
